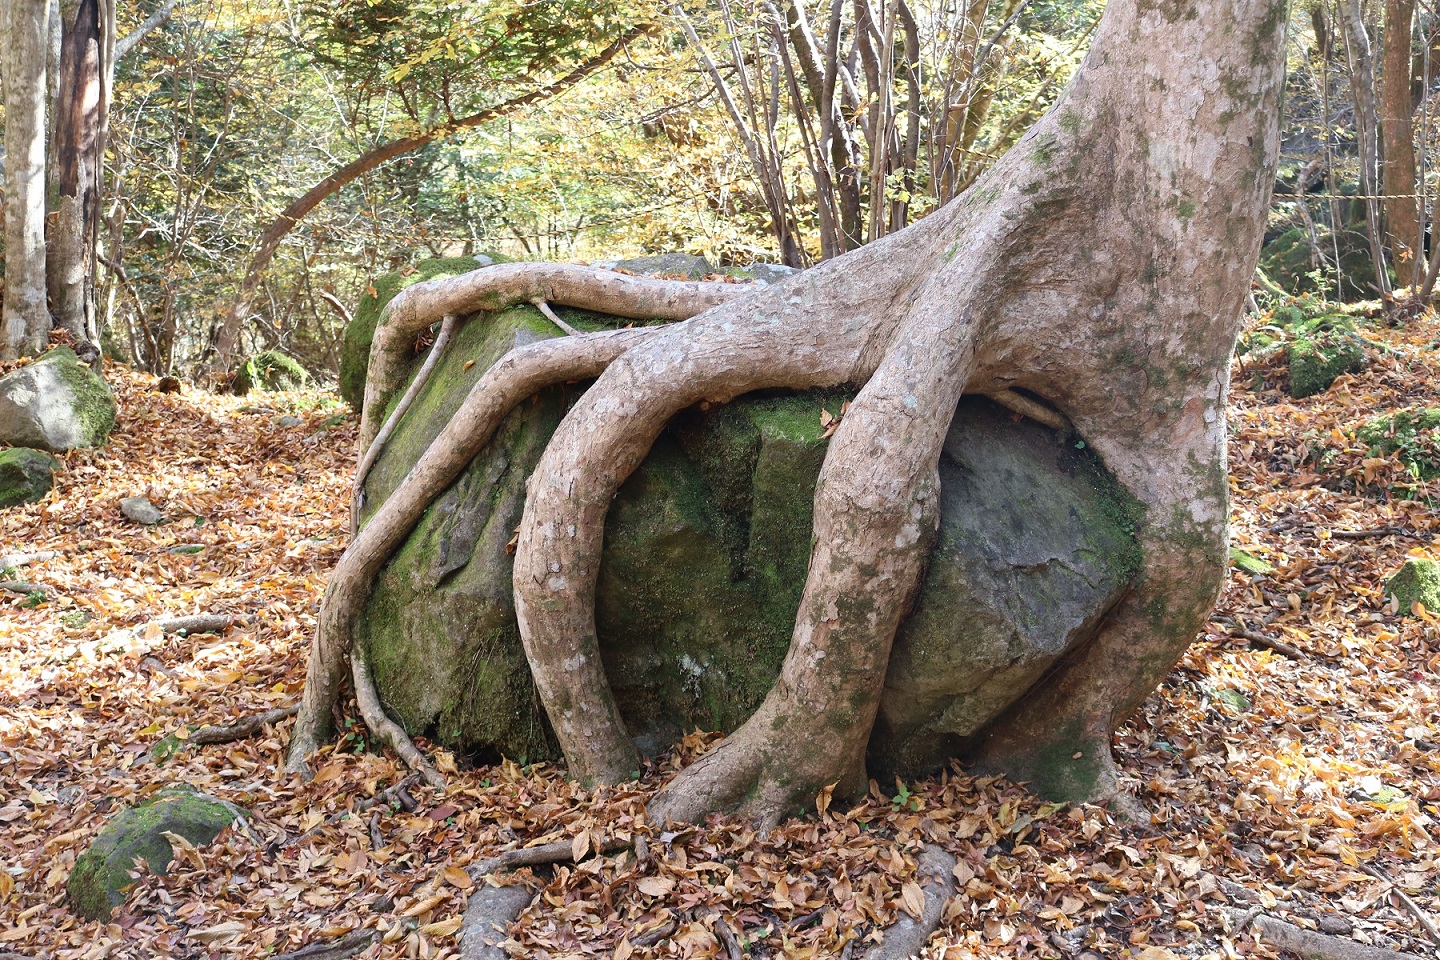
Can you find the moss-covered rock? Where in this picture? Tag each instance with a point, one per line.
(25, 475)
(1418, 581)
(1412, 434)
(706, 548)
(268, 371)
(1249, 563)
(101, 876)
(355, 347)
(684, 266)
(56, 403)
(1321, 350)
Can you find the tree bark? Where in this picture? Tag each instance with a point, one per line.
(228, 336)
(1402, 219)
(26, 319)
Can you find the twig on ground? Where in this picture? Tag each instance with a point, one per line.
(9, 561)
(347, 946)
(1310, 943)
(906, 937)
(1375, 532)
(561, 851)
(727, 938)
(1239, 632)
(242, 729)
(21, 587)
(377, 839)
(1421, 917)
(655, 936)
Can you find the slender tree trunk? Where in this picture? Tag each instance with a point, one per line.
(1402, 219)
(83, 106)
(1362, 89)
(227, 338)
(26, 319)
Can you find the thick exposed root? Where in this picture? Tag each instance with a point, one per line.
(599, 443)
(876, 509)
(515, 377)
(503, 285)
(370, 454)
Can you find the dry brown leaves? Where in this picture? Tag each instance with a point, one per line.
(1268, 779)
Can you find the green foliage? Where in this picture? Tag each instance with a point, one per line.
(1413, 435)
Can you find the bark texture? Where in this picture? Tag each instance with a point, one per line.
(26, 319)
(1397, 170)
(1099, 268)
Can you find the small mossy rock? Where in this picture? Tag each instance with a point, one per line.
(1289, 261)
(269, 371)
(355, 347)
(25, 475)
(706, 548)
(1418, 581)
(101, 876)
(56, 403)
(1413, 435)
(1248, 563)
(683, 265)
(1320, 355)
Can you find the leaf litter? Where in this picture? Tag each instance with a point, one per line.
(1306, 785)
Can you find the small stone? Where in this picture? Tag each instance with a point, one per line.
(1335, 926)
(141, 510)
(668, 265)
(288, 421)
(25, 475)
(101, 879)
(1418, 581)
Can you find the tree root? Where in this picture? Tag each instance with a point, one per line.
(347, 946)
(514, 378)
(906, 937)
(489, 914)
(10, 561)
(1309, 943)
(372, 452)
(384, 729)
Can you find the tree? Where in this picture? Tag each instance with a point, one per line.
(1098, 269)
(26, 318)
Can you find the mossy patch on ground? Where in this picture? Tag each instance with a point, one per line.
(25, 475)
(269, 371)
(1413, 435)
(1416, 582)
(1320, 351)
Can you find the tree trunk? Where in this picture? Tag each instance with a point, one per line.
(227, 339)
(1402, 219)
(83, 105)
(1362, 90)
(26, 319)
(1100, 267)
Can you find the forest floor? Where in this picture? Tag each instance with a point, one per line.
(1296, 774)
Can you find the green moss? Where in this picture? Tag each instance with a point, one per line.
(1248, 563)
(268, 371)
(355, 349)
(101, 876)
(1412, 434)
(1418, 581)
(1319, 355)
(25, 475)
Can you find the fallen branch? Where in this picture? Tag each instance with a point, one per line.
(242, 729)
(561, 851)
(10, 561)
(906, 937)
(1278, 646)
(195, 623)
(727, 938)
(21, 587)
(1421, 917)
(347, 946)
(488, 916)
(1376, 532)
(1309, 943)
(655, 936)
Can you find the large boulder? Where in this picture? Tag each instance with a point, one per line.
(268, 371)
(100, 879)
(25, 475)
(355, 347)
(56, 403)
(706, 548)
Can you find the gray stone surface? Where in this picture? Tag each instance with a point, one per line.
(141, 510)
(56, 403)
(100, 879)
(668, 265)
(25, 475)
